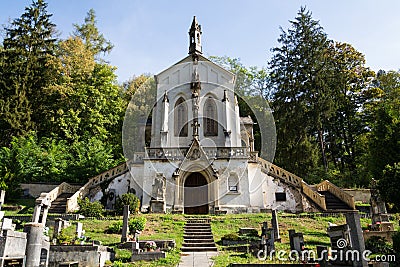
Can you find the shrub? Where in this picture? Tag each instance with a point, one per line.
(378, 245)
(63, 237)
(137, 223)
(127, 199)
(231, 236)
(115, 228)
(90, 209)
(396, 242)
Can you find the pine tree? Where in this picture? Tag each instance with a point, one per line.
(302, 102)
(89, 33)
(25, 74)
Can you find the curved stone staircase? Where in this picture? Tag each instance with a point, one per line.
(326, 196)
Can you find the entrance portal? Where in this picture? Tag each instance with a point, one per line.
(196, 194)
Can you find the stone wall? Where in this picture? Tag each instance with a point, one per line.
(86, 255)
(34, 190)
(362, 195)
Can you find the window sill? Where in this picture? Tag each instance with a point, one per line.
(233, 193)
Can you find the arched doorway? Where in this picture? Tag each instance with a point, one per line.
(196, 194)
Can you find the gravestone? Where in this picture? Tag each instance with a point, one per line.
(357, 238)
(267, 239)
(135, 243)
(79, 229)
(7, 224)
(125, 224)
(12, 248)
(378, 207)
(340, 243)
(296, 241)
(58, 222)
(275, 226)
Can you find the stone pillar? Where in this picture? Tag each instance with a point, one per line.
(2, 195)
(34, 243)
(36, 213)
(44, 216)
(356, 235)
(275, 225)
(125, 224)
(135, 243)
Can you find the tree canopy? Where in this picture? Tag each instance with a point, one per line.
(62, 110)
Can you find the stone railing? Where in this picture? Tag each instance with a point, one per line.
(58, 190)
(72, 202)
(314, 195)
(171, 153)
(280, 173)
(339, 193)
(177, 153)
(138, 157)
(294, 180)
(226, 152)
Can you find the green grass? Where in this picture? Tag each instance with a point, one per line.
(158, 227)
(170, 226)
(313, 229)
(27, 205)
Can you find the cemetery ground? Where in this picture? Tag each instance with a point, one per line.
(171, 226)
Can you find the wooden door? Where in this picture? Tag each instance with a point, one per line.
(196, 194)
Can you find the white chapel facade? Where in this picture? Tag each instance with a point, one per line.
(201, 156)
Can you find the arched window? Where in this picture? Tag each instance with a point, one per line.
(181, 118)
(210, 118)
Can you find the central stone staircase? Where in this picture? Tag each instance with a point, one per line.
(59, 205)
(333, 203)
(197, 235)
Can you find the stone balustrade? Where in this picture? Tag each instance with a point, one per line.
(177, 153)
(72, 202)
(293, 180)
(339, 193)
(49, 197)
(280, 173)
(314, 195)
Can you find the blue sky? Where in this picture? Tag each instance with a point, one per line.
(149, 36)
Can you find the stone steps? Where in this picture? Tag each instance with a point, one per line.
(59, 205)
(333, 203)
(197, 235)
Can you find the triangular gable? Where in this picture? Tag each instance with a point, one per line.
(195, 156)
(188, 59)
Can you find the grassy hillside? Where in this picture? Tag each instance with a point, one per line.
(170, 226)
